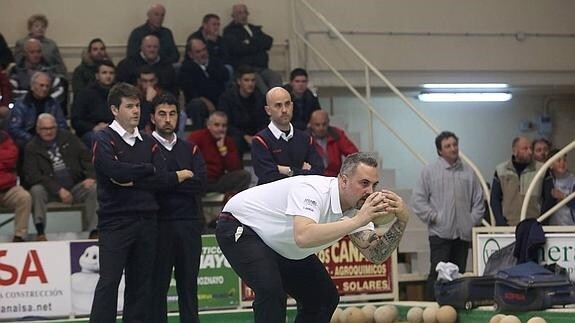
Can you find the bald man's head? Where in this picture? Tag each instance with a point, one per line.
(33, 51)
(240, 14)
(156, 15)
(319, 123)
(279, 107)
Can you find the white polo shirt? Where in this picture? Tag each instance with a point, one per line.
(269, 209)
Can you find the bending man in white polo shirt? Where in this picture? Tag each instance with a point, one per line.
(271, 233)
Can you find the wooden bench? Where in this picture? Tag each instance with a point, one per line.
(51, 207)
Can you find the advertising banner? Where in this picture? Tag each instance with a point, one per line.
(218, 284)
(34, 279)
(559, 248)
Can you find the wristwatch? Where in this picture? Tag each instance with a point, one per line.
(289, 172)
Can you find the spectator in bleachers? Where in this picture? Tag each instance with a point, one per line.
(248, 45)
(202, 79)
(244, 104)
(209, 33)
(5, 96)
(147, 84)
(6, 57)
(563, 185)
(32, 62)
(58, 167)
(179, 243)
(304, 100)
(153, 26)
(510, 183)
(90, 111)
(12, 195)
(280, 150)
(149, 55)
(37, 25)
(330, 142)
(541, 148)
(85, 73)
(224, 166)
(448, 198)
(22, 123)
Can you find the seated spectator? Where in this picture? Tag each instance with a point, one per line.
(37, 25)
(13, 196)
(6, 57)
(280, 150)
(209, 33)
(150, 88)
(304, 100)
(203, 80)
(153, 26)
(244, 106)
(541, 148)
(330, 142)
(31, 63)
(85, 73)
(129, 68)
(22, 124)
(225, 172)
(5, 96)
(58, 167)
(90, 111)
(248, 45)
(564, 184)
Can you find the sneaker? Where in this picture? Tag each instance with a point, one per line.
(41, 237)
(18, 239)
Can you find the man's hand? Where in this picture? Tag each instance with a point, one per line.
(88, 182)
(184, 174)
(373, 207)
(284, 170)
(65, 196)
(394, 203)
(557, 194)
(306, 166)
(99, 126)
(248, 139)
(150, 93)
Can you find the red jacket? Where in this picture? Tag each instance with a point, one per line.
(216, 165)
(338, 145)
(8, 161)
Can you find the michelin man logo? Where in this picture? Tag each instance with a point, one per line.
(84, 282)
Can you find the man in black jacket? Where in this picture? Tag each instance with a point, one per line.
(179, 243)
(90, 111)
(248, 45)
(58, 167)
(129, 169)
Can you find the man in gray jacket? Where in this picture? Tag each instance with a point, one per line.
(449, 199)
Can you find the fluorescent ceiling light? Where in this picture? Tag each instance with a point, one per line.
(465, 97)
(466, 86)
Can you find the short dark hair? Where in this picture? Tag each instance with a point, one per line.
(554, 151)
(105, 63)
(165, 98)
(37, 18)
(541, 140)
(350, 162)
(210, 16)
(95, 40)
(122, 90)
(297, 72)
(442, 136)
(244, 69)
(146, 69)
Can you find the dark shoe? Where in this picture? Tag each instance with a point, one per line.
(94, 235)
(41, 237)
(18, 239)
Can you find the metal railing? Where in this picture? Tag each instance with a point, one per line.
(370, 68)
(538, 175)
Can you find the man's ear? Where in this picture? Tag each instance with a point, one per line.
(114, 110)
(267, 110)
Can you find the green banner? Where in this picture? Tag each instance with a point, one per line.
(217, 282)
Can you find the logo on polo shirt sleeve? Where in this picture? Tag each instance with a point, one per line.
(310, 205)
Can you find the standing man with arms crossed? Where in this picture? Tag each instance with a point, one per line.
(179, 226)
(271, 233)
(129, 168)
(449, 199)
